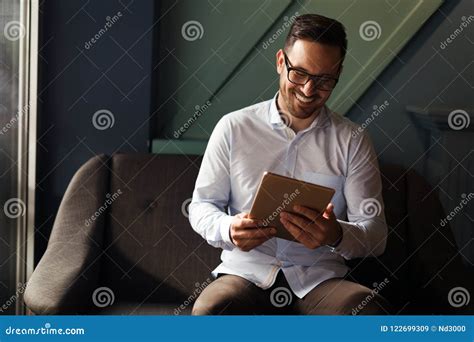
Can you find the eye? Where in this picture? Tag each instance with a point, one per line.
(323, 80)
(300, 73)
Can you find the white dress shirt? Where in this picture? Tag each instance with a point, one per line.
(330, 152)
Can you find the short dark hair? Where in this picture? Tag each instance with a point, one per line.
(317, 28)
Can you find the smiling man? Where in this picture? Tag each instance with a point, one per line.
(295, 135)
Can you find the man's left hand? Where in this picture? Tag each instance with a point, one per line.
(311, 228)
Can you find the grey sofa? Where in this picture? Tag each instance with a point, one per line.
(122, 228)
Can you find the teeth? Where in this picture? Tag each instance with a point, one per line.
(304, 99)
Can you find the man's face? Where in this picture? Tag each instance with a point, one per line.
(301, 101)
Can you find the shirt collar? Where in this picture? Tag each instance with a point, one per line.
(276, 121)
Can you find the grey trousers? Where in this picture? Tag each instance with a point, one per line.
(234, 295)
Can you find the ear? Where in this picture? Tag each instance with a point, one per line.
(340, 70)
(280, 61)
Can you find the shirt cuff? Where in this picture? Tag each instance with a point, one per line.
(224, 229)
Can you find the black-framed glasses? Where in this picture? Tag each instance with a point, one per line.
(301, 77)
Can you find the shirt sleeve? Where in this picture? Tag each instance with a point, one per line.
(212, 190)
(365, 231)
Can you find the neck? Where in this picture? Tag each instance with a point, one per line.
(297, 124)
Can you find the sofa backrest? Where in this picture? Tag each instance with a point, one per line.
(151, 252)
(386, 273)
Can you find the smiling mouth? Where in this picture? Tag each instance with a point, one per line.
(304, 100)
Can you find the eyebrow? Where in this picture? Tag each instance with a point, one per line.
(307, 72)
(320, 75)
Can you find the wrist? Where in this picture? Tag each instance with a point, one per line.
(338, 239)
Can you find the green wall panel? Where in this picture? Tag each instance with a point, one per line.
(193, 70)
(228, 61)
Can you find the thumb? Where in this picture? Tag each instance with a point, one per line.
(329, 212)
(243, 215)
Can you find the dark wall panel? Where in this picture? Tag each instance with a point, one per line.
(94, 55)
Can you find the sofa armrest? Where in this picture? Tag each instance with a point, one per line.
(68, 272)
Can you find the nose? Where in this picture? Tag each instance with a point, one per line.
(309, 89)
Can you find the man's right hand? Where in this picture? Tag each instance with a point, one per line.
(245, 233)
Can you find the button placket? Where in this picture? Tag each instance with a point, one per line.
(289, 158)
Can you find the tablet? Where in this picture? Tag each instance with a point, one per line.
(278, 193)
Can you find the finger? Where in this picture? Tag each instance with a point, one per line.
(301, 235)
(314, 215)
(256, 233)
(319, 219)
(248, 223)
(254, 219)
(247, 245)
(329, 212)
(295, 230)
(309, 213)
(244, 215)
(301, 222)
(312, 230)
(256, 241)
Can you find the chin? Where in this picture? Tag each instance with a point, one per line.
(300, 114)
(303, 112)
